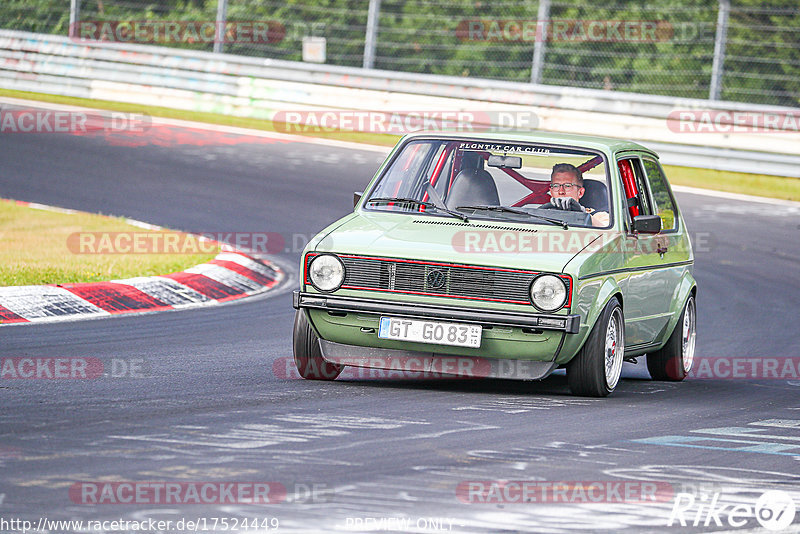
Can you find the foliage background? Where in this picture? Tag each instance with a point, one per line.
(762, 61)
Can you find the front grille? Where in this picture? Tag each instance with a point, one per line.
(437, 279)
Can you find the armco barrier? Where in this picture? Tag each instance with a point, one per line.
(256, 87)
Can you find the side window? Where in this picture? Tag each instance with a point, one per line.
(641, 187)
(635, 186)
(663, 205)
(628, 185)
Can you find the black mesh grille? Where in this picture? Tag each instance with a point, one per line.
(452, 280)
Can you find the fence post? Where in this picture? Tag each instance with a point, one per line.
(370, 40)
(539, 46)
(718, 68)
(219, 32)
(74, 17)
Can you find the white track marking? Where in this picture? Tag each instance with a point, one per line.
(736, 196)
(210, 127)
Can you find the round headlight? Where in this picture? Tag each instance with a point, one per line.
(548, 292)
(326, 272)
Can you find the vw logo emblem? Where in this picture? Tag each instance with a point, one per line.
(436, 279)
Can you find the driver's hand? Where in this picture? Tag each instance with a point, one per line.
(567, 204)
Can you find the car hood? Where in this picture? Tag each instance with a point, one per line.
(539, 247)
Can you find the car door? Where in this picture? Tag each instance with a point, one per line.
(647, 296)
(672, 243)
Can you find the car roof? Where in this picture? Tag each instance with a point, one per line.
(609, 144)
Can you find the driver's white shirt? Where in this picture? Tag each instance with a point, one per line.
(599, 218)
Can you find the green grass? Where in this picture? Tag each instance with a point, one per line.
(36, 248)
(734, 182)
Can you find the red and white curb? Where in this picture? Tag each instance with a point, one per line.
(231, 275)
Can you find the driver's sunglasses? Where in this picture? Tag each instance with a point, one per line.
(565, 187)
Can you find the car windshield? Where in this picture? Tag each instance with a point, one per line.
(491, 180)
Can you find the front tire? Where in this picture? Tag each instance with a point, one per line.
(596, 369)
(674, 361)
(307, 354)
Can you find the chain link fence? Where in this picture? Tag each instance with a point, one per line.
(662, 47)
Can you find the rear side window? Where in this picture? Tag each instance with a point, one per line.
(633, 181)
(663, 205)
(641, 187)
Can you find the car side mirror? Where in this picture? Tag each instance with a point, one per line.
(647, 224)
(357, 197)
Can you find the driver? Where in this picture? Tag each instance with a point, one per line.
(566, 188)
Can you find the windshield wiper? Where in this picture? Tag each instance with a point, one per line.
(505, 209)
(416, 202)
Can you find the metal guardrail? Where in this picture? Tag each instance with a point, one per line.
(247, 86)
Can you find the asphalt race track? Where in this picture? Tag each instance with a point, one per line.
(213, 399)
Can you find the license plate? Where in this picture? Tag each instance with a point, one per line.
(436, 332)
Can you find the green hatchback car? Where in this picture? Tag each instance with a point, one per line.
(503, 255)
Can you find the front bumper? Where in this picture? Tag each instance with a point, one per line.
(417, 364)
(569, 324)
